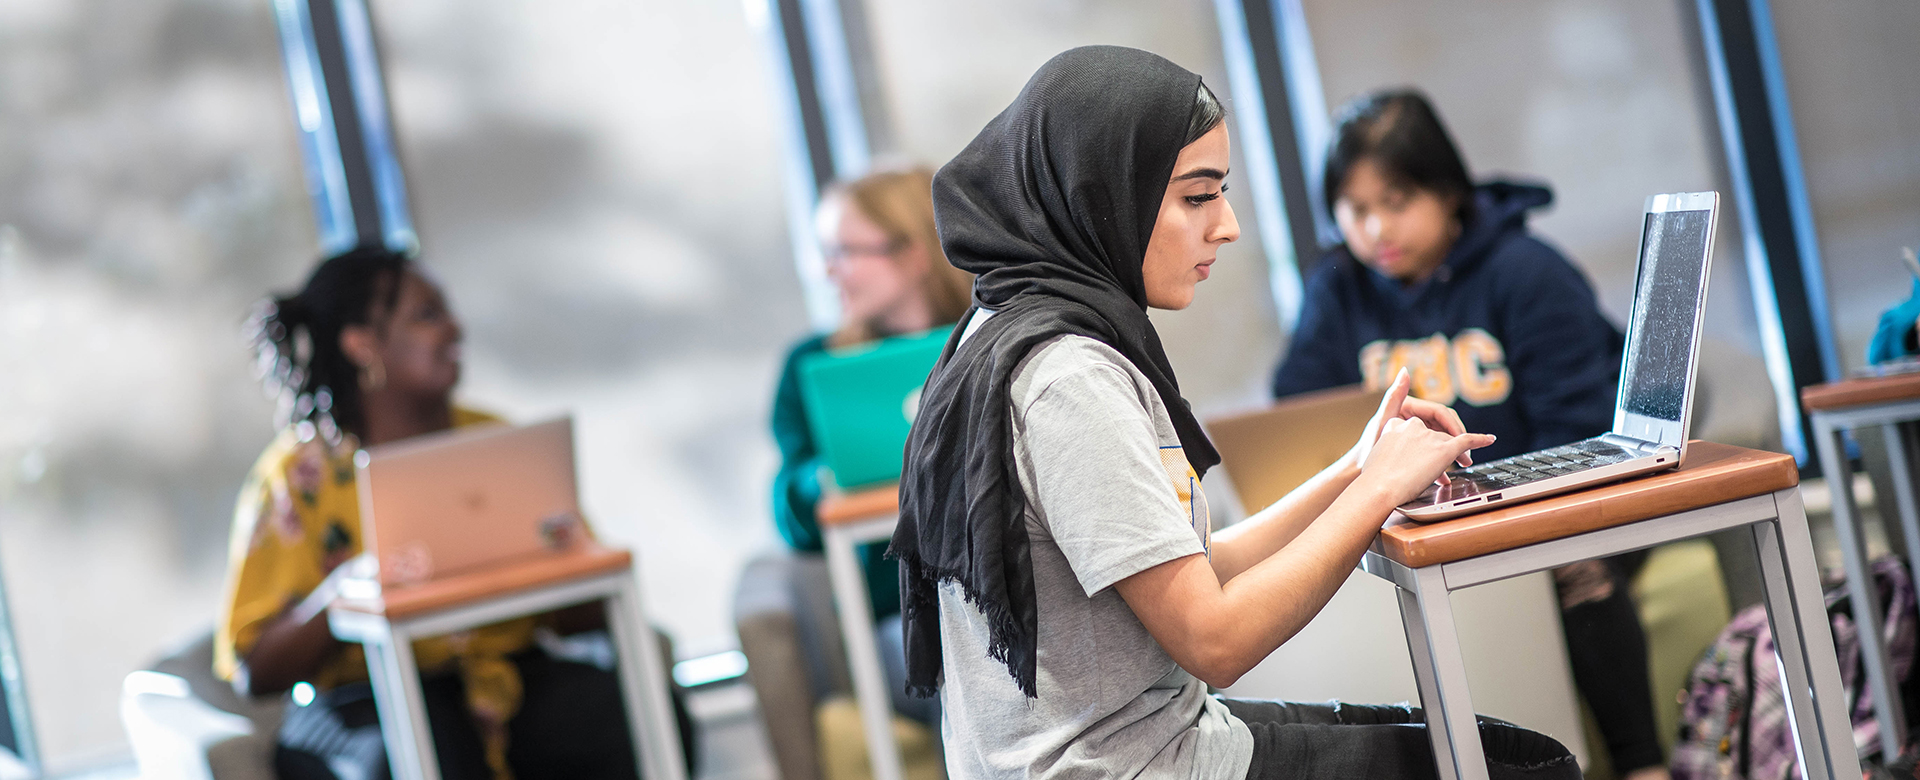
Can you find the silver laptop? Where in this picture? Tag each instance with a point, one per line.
(1655, 400)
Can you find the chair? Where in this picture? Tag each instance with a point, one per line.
(185, 723)
(783, 610)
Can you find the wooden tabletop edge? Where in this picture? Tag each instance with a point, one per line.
(461, 589)
(1861, 391)
(1734, 473)
(844, 508)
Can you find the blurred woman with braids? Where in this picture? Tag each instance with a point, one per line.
(368, 353)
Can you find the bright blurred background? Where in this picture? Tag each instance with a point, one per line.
(598, 184)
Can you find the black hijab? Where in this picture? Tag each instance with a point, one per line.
(1051, 207)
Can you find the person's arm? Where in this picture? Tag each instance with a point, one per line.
(293, 646)
(1252, 540)
(1241, 546)
(796, 486)
(1219, 631)
(272, 630)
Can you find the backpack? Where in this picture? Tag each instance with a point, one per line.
(1733, 717)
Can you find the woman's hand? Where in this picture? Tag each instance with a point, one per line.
(1409, 456)
(1398, 406)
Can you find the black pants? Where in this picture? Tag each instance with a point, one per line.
(1607, 649)
(1337, 741)
(571, 724)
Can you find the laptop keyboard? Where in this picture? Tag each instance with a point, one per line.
(1544, 464)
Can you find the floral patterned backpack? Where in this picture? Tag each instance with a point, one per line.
(1733, 719)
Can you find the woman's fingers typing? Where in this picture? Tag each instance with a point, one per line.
(1410, 455)
(1439, 417)
(1396, 398)
(1467, 442)
(1390, 409)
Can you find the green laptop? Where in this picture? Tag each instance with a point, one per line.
(860, 403)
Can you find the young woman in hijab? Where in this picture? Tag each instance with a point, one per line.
(1061, 588)
(368, 352)
(884, 257)
(1443, 276)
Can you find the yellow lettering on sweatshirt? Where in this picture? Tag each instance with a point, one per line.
(1469, 367)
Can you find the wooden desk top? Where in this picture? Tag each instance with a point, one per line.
(849, 508)
(1859, 392)
(398, 603)
(1714, 474)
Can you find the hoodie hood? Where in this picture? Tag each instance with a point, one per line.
(1499, 213)
(1499, 207)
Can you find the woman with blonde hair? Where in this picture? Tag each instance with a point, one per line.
(883, 254)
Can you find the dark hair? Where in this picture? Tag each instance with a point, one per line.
(297, 337)
(1207, 115)
(1400, 132)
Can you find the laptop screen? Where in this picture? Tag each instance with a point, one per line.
(1660, 338)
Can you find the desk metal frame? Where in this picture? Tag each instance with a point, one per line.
(856, 628)
(396, 676)
(1830, 428)
(1816, 703)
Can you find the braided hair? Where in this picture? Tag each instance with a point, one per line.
(296, 339)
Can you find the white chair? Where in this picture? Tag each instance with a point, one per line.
(186, 724)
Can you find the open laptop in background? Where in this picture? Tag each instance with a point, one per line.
(468, 499)
(1654, 405)
(860, 404)
(1269, 452)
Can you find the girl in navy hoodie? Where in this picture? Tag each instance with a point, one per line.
(1441, 277)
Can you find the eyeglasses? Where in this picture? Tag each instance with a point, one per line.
(836, 253)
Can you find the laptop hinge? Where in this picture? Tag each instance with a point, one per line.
(1635, 444)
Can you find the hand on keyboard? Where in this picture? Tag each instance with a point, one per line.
(1398, 405)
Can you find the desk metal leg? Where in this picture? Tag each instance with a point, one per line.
(1900, 444)
(1867, 612)
(863, 654)
(1441, 674)
(402, 707)
(1823, 735)
(643, 686)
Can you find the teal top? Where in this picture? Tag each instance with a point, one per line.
(796, 488)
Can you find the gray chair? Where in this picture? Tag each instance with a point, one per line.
(783, 610)
(185, 723)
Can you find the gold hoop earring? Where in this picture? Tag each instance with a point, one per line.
(373, 376)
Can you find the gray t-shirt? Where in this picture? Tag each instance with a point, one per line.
(1109, 494)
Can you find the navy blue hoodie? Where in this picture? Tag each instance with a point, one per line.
(1506, 331)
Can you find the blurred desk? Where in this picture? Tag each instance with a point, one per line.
(1720, 487)
(1893, 403)
(847, 521)
(387, 622)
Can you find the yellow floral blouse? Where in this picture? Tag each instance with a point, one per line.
(298, 517)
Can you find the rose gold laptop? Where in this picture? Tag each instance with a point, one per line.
(469, 499)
